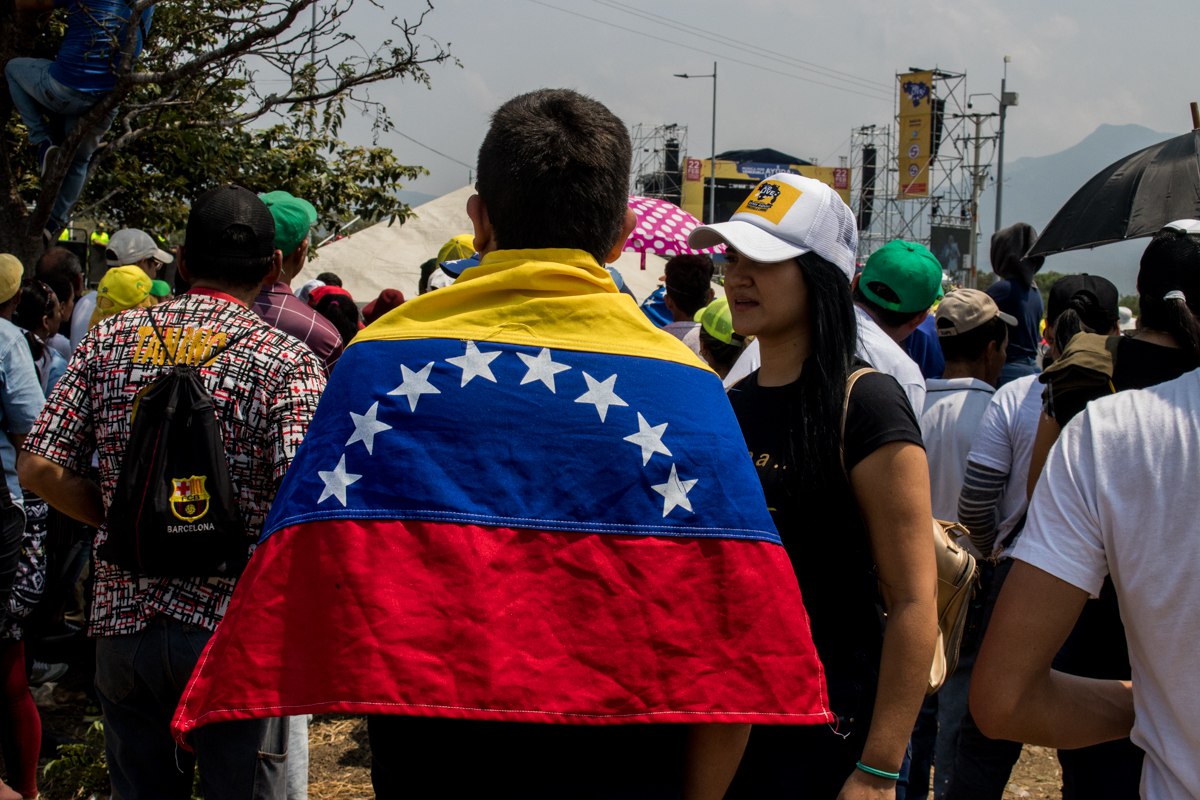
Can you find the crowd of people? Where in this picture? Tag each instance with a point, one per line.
(687, 561)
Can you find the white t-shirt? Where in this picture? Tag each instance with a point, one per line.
(1120, 496)
(1004, 442)
(877, 349)
(954, 408)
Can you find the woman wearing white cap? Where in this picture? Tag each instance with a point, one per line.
(853, 510)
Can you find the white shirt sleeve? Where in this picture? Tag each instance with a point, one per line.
(1063, 535)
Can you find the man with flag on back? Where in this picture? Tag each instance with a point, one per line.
(524, 532)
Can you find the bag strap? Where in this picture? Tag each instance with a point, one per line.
(850, 381)
(175, 362)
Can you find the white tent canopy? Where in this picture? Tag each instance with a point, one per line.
(387, 256)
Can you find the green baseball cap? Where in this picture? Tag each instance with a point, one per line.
(293, 219)
(902, 276)
(716, 320)
(160, 288)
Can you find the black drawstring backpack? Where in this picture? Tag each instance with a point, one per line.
(175, 511)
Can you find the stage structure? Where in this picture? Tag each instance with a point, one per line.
(657, 168)
(919, 178)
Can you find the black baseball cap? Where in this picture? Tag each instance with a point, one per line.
(1095, 298)
(230, 226)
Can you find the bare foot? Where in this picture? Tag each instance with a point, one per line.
(8, 793)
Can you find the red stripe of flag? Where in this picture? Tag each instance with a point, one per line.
(468, 622)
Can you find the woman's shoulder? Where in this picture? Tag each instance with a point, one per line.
(874, 389)
(878, 413)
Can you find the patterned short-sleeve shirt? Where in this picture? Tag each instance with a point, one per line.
(265, 387)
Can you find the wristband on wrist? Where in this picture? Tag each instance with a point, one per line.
(878, 773)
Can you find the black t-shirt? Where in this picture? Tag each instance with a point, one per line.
(820, 525)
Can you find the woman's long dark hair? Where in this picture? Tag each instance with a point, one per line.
(833, 329)
(1171, 263)
(37, 302)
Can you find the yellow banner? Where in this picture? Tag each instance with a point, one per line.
(916, 133)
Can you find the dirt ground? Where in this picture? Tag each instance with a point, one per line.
(339, 765)
(340, 759)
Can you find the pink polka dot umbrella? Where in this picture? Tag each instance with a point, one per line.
(662, 228)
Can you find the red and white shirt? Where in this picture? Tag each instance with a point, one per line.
(265, 387)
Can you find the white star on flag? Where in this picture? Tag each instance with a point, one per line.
(600, 394)
(415, 384)
(676, 492)
(336, 482)
(649, 438)
(475, 364)
(365, 428)
(541, 368)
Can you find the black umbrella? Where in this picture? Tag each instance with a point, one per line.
(1134, 197)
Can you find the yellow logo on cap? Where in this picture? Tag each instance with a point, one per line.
(771, 200)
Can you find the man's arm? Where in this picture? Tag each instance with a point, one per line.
(1014, 692)
(69, 492)
(1048, 431)
(978, 504)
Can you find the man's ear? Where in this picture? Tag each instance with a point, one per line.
(915, 322)
(181, 265)
(485, 234)
(627, 227)
(272, 277)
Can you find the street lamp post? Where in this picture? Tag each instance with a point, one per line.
(712, 177)
(1006, 99)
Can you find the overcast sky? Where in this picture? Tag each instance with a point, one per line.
(795, 76)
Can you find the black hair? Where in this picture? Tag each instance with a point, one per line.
(689, 279)
(1171, 263)
(833, 332)
(554, 172)
(721, 355)
(62, 287)
(427, 269)
(342, 312)
(329, 279)
(37, 302)
(59, 265)
(890, 318)
(970, 346)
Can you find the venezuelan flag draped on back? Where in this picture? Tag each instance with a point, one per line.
(517, 501)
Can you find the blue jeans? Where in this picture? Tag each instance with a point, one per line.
(981, 766)
(1018, 368)
(50, 111)
(139, 680)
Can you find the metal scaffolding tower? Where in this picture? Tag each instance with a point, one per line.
(957, 170)
(657, 170)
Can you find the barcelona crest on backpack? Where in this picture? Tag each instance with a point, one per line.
(189, 501)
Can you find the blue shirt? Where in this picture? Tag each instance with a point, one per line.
(91, 50)
(1024, 303)
(21, 399)
(922, 347)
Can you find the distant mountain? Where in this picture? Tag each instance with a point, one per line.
(415, 199)
(1035, 188)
